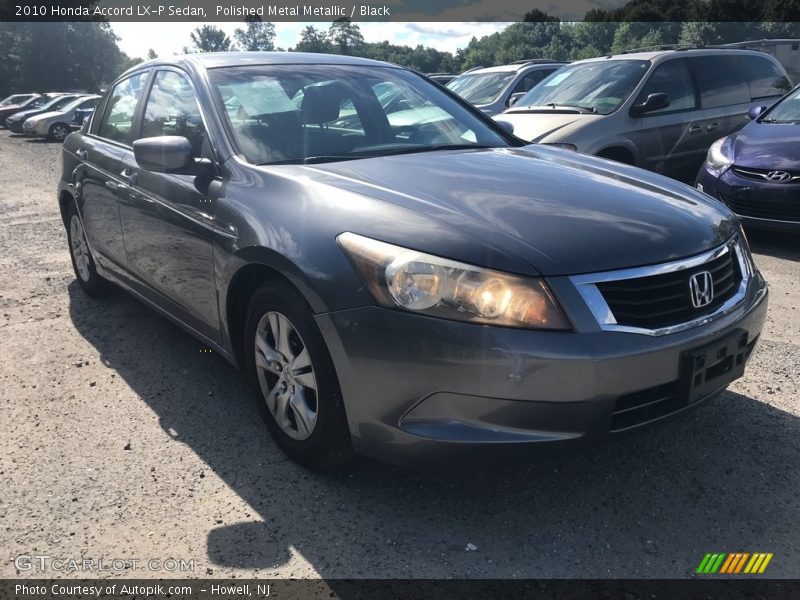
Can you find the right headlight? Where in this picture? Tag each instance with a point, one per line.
(720, 155)
(399, 277)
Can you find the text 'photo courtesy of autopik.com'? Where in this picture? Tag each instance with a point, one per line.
(405, 299)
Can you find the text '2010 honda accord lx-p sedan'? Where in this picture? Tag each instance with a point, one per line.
(405, 279)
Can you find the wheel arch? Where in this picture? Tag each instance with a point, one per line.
(618, 151)
(254, 267)
(64, 200)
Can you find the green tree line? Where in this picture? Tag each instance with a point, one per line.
(85, 55)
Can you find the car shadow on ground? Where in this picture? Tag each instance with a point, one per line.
(648, 505)
(778, 244)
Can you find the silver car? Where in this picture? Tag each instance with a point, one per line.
(55, 125)
(656, 110)
(494, 89)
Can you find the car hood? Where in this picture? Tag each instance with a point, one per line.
(539, 126)
(767, 146)
(562, 212)
(22, 115)
(53, 114)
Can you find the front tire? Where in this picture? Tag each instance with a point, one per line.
(295, 383)
(58, 132)
(82, 262)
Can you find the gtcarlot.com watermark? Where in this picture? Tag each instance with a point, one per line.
(40, 563)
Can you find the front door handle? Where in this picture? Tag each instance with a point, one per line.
(695, 129)
(712, 126)
(131, 176)
(82, 153)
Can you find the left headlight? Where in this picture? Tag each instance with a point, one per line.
(720, 155)
(399, 277)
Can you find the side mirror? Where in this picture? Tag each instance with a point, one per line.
(514, 98)
(653, 102)
(165, 154)
(509, 127)
(755, 112)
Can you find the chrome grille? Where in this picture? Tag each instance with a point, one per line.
(663, 300)
(658, 299)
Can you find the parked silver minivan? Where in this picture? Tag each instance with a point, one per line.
(657, 110)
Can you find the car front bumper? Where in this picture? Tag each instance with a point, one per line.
(759, 205)
(419, 389)
(38, 129)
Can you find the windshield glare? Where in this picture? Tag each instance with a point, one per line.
(599, 86)
(787, 111)
(299, 113)
(480, 88)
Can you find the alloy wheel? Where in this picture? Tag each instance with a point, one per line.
(60, 133)
(286, 375)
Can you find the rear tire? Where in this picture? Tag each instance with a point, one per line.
(82, 262)
(292, 374)
(58, 132)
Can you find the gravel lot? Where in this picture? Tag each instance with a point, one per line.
(120, 439)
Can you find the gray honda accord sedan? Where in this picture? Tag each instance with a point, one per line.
(397, 274)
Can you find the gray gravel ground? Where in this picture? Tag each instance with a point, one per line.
(120, 439)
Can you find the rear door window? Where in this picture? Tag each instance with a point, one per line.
(722, 80)
(766, 79)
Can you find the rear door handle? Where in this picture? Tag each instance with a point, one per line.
(82, 153)
(712, 126)
(132, 177)
(695, 129)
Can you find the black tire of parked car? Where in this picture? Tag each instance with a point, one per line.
(58, 132)
(93, 284)
(329, 443)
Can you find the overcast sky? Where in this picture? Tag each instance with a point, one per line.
(170, 38)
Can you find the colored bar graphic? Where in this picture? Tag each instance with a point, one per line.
(726, 566)
(740, 564)
(734, 563)
(765, 563)
(704, 564)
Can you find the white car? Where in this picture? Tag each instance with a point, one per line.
(56, 125)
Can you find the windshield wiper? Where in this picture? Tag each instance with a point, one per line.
(434, 148)
(310, 160)
(553, 107)
(779, 122)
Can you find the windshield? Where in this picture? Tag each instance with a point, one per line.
(598, 86)
(60, 103)
(76, 103)
(14, 99)
(481, 88)
(321, 113)
(786, 111)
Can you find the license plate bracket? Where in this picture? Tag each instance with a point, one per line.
(706, 369)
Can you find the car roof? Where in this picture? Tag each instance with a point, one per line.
(654, 55)
(514, 67)
(212, 60)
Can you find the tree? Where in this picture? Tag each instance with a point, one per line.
(345, 36)
(80, 56)
(256, 36)
(151, 54)
(313, 40)
(209, 38)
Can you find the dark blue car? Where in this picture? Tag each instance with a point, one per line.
(756, 172)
